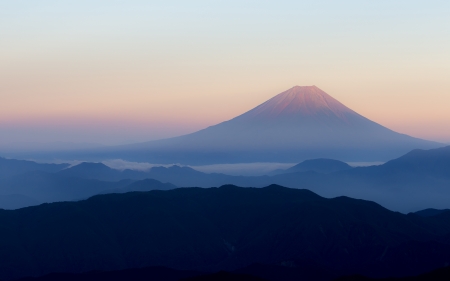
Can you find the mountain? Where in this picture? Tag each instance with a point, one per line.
(226, 228)
(434, 162)
(225, 276)
(142, 185)
(75, 183)
(13, 167)
(49, 187)
(324, 166)
(414, 181)
(298, 124)
(441, 274)
(430, 212)
(254, 272)
(268, 272)
(418, 180)
(145, 274)
(135, 274)
(100, 171)
(16, 201)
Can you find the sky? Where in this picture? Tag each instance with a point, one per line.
(115, 72)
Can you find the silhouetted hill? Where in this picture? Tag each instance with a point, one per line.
(290, 271)
(441, 274)
(224, 228)
(431, 212)
(271, 273)
(325, 166)
(143, 185)
(12, 167)
(145, 274)
(225, 276)
(135, 274)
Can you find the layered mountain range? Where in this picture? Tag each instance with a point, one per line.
(418, 180)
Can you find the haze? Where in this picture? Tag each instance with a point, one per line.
(115, 72)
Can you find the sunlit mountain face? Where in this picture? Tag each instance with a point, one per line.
(301, 123)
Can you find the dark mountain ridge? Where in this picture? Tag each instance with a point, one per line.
(430, 212)
(269, 273)
(223, 228)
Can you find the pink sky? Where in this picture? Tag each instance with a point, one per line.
(118, 72)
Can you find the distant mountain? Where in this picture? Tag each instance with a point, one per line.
(75, 183)
(324, 166)
(226, 228)
(16, 201)
(100, 171)
(180, 176)
(298, 124)
(405, 184)
(12, 167)
(48, 187)
(434, 163)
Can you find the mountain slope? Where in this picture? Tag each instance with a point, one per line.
(49, 187)
(413, 182)
(13, 167)
(142, 185)
(298, 124)
(220, 228)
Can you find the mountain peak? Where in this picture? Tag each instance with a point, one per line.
(301, 101)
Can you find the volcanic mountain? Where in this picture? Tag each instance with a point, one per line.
(298, 124)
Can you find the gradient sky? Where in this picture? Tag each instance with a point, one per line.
(126, 71)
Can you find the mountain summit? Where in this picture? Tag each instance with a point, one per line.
(300, 101)
(298, 124)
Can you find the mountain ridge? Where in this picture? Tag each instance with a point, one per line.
(224, 228)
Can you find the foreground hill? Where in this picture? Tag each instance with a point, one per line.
(256, 272)
(442, 274)
(225, 228)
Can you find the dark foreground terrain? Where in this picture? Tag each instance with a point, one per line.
(227, 228)
(254, 273)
